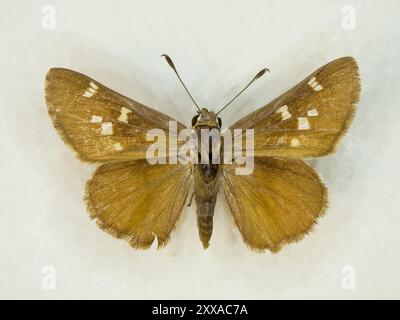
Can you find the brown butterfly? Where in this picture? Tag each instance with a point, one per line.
(277, 204)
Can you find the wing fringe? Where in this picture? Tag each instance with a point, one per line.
(352, 110)
(51, 109)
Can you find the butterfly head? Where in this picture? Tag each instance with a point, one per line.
(206, 118)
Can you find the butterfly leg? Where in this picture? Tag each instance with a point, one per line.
(191, 199)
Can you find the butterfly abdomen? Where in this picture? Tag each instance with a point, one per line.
(206, 190)
(205, 226)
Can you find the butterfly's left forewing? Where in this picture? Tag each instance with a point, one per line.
(97, 122)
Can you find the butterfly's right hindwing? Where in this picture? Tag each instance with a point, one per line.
(277, 204)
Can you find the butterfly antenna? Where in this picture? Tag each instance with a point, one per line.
(171, 64)
(257, 76)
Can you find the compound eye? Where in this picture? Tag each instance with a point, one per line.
(194, 120)
(220, 122)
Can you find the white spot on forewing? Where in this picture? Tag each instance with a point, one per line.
(313, 83)
(312, 113)
(312, 80)
(96, 119)
(91, 90)
(318, 88)
(302, 123)
(295, 142)
(106, 129)
(124, 115)
(87, 94)
(117, 146)
(284, 111)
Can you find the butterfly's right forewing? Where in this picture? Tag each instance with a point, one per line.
(309, 119)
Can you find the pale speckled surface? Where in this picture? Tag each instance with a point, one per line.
(217, 46)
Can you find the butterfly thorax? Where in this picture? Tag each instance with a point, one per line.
(206, 173)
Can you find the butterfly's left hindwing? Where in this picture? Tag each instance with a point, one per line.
(138, 202)
(97, 122)
(308, 120)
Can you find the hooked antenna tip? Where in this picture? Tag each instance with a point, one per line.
(261, 73)
(171, 64)
(169, 60)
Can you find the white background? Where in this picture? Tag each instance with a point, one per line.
(218, 46)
